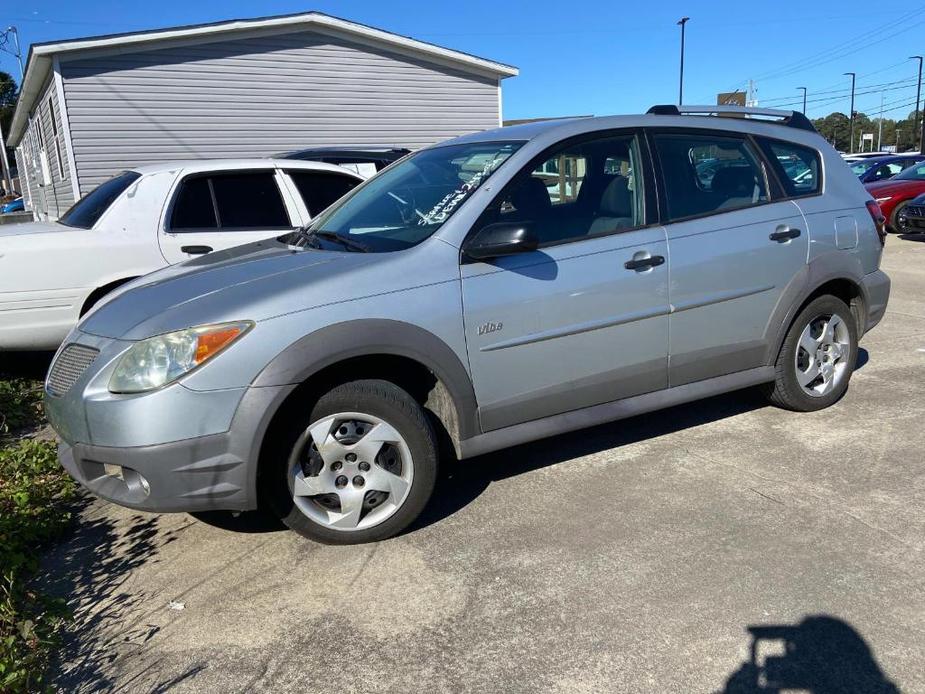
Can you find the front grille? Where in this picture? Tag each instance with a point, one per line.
(68, 367)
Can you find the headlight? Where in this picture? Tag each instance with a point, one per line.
(159, 360)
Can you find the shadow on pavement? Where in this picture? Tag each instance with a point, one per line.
(912, 237)
(463, 481)
(820, 655)
(93, 572)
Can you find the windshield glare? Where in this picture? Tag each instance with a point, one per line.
(860, 167)
(410, 200)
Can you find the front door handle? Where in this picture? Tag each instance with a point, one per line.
(643, 263)
(784, 234)
(196, 250)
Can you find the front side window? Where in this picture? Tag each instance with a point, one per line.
(707, 174)
(320, 189)
(86, 212)
(229, 202)
(588, 188)
(798, 167)
(885, 171)
(411, 200)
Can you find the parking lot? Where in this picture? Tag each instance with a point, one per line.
(630, 557)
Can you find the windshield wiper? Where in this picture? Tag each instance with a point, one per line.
(309, 234)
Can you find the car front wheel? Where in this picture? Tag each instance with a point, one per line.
(360, 468)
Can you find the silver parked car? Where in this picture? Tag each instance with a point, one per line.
(494, 289)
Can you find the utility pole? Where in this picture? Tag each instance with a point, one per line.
(4, 37)
(804, 99)
(851, 115)
(4, 161)
(918, 94)
(681, 23)
(880, 133)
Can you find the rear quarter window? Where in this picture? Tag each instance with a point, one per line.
(799, 168)
(86, 212)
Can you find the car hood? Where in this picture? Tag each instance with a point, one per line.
(34, 228)
(892, 186)
(257, 281)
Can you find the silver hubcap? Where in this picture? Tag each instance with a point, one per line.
(350, 471)
(822, 355)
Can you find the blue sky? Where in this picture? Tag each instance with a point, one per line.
(591, 57)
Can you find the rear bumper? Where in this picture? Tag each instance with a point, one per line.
(876, 287)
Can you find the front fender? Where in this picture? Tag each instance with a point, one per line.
(368, 337)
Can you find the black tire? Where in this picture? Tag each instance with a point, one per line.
(785, 391)
(380, 399)
(894, 217)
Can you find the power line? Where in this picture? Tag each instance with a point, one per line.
(848, 47)
(908, 81)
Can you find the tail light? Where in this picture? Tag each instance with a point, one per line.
(876, 214)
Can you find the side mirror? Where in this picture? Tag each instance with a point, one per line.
(504, 238)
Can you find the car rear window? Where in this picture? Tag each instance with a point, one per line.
(709, 174)
(798, 167)
(86, 212)
(319, 189)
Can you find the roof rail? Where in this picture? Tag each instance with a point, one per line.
(793, 119)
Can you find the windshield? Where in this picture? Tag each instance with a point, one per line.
(913, 173)
(87, 211)
(410, 200)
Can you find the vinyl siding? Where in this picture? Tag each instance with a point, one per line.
(51, 200)
(262, 95)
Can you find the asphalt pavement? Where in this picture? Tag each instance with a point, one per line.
(633, 557)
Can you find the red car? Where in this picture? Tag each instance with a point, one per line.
(894, 194)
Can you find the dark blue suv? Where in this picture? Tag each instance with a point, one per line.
(881, 168)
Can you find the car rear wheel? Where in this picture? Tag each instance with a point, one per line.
(817, 358)
(895, 224)
(360, 468)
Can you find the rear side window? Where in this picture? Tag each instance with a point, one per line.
(707, 174)
(194, 208)
(320, 189)
(86, 212)
(230, 202)
(797, 167)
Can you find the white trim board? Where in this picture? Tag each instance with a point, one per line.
(66, 128)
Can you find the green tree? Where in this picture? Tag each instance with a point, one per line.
(834, 128)
(9, 93)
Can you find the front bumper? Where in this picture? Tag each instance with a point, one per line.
(193, 475)
(175, 449)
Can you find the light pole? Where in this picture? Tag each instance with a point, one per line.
(851, 115)
(918, 94)
(804, 99)
(681, 23)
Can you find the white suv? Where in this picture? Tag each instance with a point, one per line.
(144, 219)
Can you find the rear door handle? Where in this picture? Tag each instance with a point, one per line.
(643, 263)
(196, 250)
(784, 234)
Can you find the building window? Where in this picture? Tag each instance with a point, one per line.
(56, 136)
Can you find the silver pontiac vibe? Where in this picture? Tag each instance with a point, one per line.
(494, 289)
